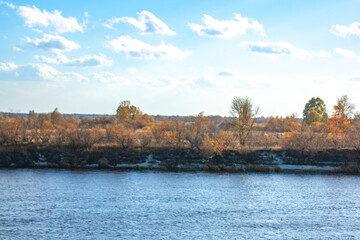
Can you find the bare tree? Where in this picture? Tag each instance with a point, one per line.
(349, 107)
(245, 112)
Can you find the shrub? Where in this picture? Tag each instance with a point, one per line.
(258, 168)
(103, 163)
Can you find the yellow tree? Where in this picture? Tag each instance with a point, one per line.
(127, 112)
(338, 123)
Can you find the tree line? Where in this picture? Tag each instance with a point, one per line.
(130, 129)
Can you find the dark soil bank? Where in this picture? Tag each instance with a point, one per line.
(167, 159)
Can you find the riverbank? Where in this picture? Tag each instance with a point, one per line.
(169, 159)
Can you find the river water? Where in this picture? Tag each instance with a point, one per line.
(61, 204)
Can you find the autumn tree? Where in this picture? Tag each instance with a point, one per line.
(197, 131)
(32, 118)
(40, 119)
(144, 138)
(12, 131)
(159, 130)
(124, 136)
(348, 108)
(55, 116)
(304, 140)
(245, 112)
(338, 121)
(127, 112)
(315, 111)
(144, 120)
(46, 131)
(83, 137)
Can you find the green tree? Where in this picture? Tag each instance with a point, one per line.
(245, 112)
(315, 111)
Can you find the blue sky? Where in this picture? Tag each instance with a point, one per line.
(177, 57)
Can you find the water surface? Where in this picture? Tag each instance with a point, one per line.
(61, 204)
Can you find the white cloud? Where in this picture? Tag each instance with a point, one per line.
(9, 4)
(17, 48)
(167, 80)
(138, 49)
(322, 53)
(147, 22)
(345, 31)
(274, 50)
(226, 28)
(132, 70)
(46, 72)
(85, 61)
(53, 43)
(9, 66)
(49, 73)
(36, 72)
(345, 53)
(107, 77)
(226, 78)
(164, 82)
(35, 17)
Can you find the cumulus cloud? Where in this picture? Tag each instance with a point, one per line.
(36, 72)
(85, 61)
(226, 28)
(345, 53)
(345, 31)
(33, 16)
(9, 4)
(53, 43)
(134, 48)
(108, 77)
(322, 53)
(9, 66)
(274, 50)
(147, 22)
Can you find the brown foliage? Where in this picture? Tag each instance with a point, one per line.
(307, 140)
(123, 136)
(12, 131)
(264, 139)
(83, 137)
(144, 138)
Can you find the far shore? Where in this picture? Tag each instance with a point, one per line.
(329, 161)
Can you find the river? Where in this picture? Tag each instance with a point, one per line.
(63, 204)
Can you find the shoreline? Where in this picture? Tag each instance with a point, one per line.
(180, 160)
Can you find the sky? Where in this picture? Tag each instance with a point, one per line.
(177, 57)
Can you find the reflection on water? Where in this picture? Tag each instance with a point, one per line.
(60, 204)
